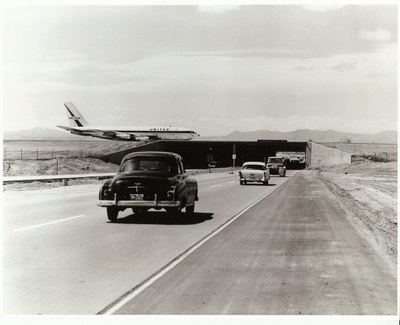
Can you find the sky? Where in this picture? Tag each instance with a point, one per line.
(213, 69)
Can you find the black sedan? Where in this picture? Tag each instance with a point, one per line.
(148, 180)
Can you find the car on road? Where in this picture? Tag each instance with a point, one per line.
(276, 166)
(148, 180)
(254, 171)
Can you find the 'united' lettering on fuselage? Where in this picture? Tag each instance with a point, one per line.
(159, 129)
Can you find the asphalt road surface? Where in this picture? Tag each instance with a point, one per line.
(62, 256)
(294, 252)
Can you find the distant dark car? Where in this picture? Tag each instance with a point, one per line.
(148, 180)
(212, 164)
(296, 163)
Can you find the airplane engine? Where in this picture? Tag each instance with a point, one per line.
(124, 136)
(130, 136)
(142, 138)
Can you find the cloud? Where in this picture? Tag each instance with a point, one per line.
(378, 35)
(323, 8)
(216, 9)
(302, 68)
(344, 66)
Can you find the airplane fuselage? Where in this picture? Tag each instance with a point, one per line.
(78, 125)
(134, 134)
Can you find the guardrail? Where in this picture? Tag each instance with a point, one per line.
(47, 178)
(66, 178)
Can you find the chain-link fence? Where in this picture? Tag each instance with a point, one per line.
(376, 156)
(47, 154)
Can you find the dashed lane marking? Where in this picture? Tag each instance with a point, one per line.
(216, 185)
(48, 223)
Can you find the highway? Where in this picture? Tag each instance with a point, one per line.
(62, 256)
(293, 252)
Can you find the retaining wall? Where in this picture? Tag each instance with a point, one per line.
(318, 155)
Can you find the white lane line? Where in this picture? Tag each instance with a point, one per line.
(231, 182)
(216, 185)
(49, 223)
(128, 296)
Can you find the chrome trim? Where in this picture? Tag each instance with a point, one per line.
(147, 204)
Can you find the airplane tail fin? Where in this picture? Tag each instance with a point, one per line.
(75, 118)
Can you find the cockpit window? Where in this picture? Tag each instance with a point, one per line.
(149, 164)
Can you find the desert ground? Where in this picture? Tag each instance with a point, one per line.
(368, 192)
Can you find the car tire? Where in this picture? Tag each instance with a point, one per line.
(241, 182)
(190, 209)
(265, 182)
(112, 213)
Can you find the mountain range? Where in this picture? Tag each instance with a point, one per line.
(314, 135)
(297, 135)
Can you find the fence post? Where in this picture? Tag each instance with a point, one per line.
(5, 153)
(37, 154)
(21, 154)
(57, 166)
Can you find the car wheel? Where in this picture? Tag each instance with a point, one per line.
(112, 213)
(265, 182)
(241, 182)
(190, 208)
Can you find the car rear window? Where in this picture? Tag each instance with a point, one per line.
(255, 167)
(149, 164)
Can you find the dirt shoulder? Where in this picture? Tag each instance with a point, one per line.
(368, 192)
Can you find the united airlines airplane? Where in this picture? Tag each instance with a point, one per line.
(78, 125)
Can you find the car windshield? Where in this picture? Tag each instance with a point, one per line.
(255, 167)
(149, 164)
(274, 160)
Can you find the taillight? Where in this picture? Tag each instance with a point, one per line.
(171, 193)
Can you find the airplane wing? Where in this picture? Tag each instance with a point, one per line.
(130, 136)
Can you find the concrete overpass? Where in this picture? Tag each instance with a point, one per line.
(197, 154)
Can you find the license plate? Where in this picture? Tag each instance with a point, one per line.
(137, 197)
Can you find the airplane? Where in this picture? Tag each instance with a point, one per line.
(78, 125)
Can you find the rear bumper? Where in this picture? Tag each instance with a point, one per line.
(255, 179)
(143, 204)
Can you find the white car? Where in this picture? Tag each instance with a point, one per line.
(254, 171)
